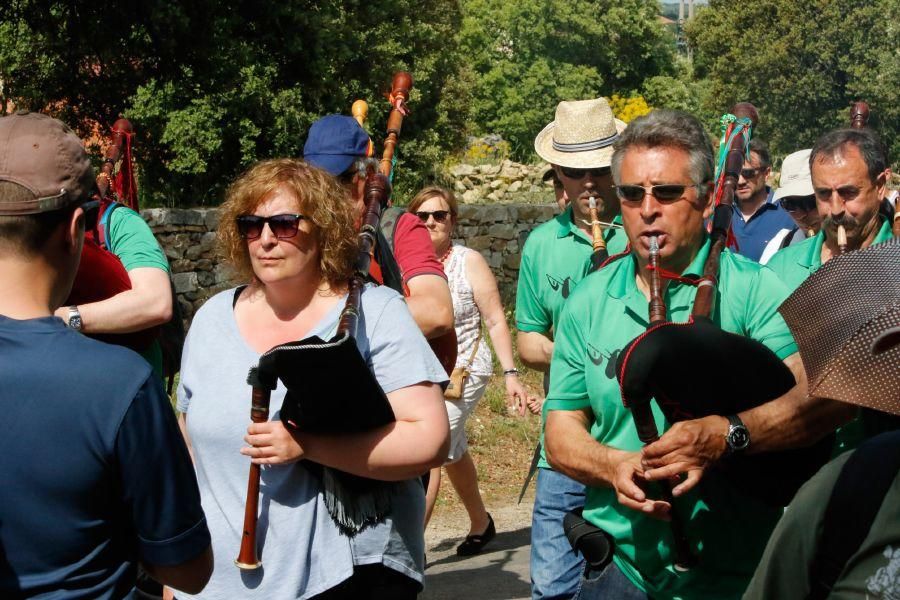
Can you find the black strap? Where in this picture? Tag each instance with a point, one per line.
(787, 239)
(237, 294)
(855, 501)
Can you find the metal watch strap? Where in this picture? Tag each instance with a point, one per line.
(74, 321)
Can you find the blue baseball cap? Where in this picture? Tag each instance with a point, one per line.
(334, 142)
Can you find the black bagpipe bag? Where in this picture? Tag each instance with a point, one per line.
(696, 369)
(331, 390)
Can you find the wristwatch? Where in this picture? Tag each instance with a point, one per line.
(738, 437)
(74, 321)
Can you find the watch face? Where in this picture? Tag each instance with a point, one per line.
(738, 438)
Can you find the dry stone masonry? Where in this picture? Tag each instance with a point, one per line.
(499, 207)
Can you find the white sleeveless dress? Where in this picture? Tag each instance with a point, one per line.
(467, 322)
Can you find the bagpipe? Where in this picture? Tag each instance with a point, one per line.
(101, 274)
(308, 368)
(688, 368)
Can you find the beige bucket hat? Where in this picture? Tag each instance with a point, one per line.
(795, 177)
(581, 136)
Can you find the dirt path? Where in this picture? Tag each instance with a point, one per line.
(500, 572)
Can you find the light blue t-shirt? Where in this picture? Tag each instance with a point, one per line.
(302, 551)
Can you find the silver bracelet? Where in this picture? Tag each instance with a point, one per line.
(511, 372)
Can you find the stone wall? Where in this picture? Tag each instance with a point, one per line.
(506, 182)
(188, 237)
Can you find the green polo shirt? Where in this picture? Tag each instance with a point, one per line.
(556, 257)
(604, 314)
(797, 262)
(793, 265)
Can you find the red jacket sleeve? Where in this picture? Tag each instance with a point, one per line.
(413, 250)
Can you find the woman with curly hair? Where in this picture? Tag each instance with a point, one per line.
(288, 229)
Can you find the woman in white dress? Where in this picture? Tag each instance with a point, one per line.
(475, 297)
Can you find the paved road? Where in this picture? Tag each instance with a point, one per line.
(500, 572)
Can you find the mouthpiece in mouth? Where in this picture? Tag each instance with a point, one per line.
(592, 203)
(841, 237)
(654, 246)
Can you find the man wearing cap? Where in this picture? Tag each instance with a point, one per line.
(849, 177)
(663, 169)
(795, 195)
(337, 144)
(556, 256)
(96, 476)
(757, 217)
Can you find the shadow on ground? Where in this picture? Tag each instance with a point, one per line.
(500, 572)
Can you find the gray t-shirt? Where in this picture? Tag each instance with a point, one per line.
(302, 551)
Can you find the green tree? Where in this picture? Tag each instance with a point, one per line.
(802, 62)
(214, 85)
(529, 55)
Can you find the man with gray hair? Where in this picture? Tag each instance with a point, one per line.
(662, 167)
(97, 478)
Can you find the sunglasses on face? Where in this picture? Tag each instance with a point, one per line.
(573, 173)
(750, 173)
(664, 192)
(283, 227)
(439, 215)
(799, 203)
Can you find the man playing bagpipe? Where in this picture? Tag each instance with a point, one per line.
(663, 167)
(849, 172)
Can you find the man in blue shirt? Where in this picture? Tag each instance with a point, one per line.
(96, 477)
(757, 219)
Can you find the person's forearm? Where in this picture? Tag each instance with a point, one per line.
(793, 420)
(572, 451)
(398, 451)
(147, 304)
(502, 342)
(535, 350)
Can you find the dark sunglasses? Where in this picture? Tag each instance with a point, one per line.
(798, 203)
(439, 215)
(750, 173)
(573, 173)
(283, 226)
(664, 192)
(91, 211)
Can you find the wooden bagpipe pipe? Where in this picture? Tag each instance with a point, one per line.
(101, 274)
(308, 369)
(690, 368)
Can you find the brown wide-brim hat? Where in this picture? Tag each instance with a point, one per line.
(581, 136)
(44, 156)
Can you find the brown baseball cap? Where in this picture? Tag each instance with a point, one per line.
(43, 155)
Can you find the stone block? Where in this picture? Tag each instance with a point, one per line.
(180, 265)
(479, 242)
(206, 278)
(471, 196)
(211, 219)
(503, 231)
(495, 260)
(511, 261)
(515, 186)
(185, 282)
(462, 170)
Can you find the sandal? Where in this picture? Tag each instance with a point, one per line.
(473, 544)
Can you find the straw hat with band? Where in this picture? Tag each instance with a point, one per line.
(581, 136)
(44, 156)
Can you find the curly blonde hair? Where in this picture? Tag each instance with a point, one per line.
(322, 200)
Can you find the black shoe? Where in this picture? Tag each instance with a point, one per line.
(473, 544)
